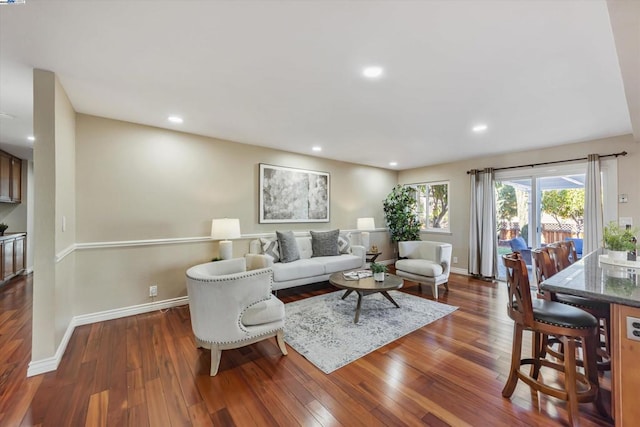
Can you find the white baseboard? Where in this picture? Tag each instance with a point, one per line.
(37, 367)
(458, 270)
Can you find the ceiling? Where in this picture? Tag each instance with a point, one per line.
(288, 74)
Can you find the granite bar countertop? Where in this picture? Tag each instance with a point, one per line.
(599, 281)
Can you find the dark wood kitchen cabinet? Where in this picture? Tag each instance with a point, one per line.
(10, 178)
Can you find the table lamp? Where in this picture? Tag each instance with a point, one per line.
(224, 229)
(364, 224)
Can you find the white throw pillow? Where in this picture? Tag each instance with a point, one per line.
(344, 243)
(270, 247)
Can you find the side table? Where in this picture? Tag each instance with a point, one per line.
(372, 256)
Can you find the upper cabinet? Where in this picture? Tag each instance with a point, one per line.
(10, 178)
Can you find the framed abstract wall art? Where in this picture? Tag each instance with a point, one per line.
(293, 195)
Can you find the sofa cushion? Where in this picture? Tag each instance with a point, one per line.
(271, 310)
(344, 243)
(288, 246)
(270, 247)
(296, 270)
(325, 243)
(420, 267)
(339, 263)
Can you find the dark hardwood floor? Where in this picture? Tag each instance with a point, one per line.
(146, 371)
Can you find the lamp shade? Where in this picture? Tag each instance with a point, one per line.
(225, 228)
(366, 224)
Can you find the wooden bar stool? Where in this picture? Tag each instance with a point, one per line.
(570, 325)
(564, 254)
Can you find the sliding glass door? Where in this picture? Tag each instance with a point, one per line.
(544, 205)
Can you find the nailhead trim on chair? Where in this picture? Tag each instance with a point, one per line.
(238, 341)
(561, 325)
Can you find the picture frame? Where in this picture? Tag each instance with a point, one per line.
(290, 195)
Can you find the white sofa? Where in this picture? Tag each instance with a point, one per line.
(307, 269)
(425, 262)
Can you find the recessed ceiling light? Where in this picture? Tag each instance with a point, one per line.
(316, 148)
(373, 72)
(31, 138)
(479, 128)
(175, 119)
(393, 163)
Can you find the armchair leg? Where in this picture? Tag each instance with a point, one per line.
(216, 353)
(435, 290)
(280, 339)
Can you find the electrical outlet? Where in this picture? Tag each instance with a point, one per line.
(153, 290)
(623, 221)
(633, 328)
(455, 259)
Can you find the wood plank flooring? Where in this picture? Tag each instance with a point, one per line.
(145, 370)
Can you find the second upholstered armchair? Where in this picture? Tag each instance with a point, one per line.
(231, 307)
(425, 262)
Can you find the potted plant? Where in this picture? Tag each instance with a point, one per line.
(618, 241)
(3, 228)
(401, 213)
(378, 271)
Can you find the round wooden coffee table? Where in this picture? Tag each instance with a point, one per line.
(366, 286)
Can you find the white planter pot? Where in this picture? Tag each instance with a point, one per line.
(619, 255)
(378, 277)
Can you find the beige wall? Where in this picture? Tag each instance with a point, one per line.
(137, 183)
(628, 182)
(55, 132)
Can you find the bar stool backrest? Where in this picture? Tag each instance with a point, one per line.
(519, 306)
(563, 254)
(545, 267)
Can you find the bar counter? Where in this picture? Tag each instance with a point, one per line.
(620, 287)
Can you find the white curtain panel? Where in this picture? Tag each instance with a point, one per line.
(483, 259)
(593, 219)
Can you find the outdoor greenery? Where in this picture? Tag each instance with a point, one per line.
(506, 201)
(559, 204)
(562, 204)
(433, 205)
(617, 238)
(400, 212)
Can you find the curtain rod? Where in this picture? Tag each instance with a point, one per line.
(622, 153)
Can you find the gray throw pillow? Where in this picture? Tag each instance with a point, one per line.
(344, 243)
(324, 243)
(288, 246)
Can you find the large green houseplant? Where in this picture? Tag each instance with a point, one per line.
(401, 213)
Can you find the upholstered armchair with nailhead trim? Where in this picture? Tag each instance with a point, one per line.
(231, 307)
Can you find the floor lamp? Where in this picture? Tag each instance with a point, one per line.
(362, 225)
(224, 229)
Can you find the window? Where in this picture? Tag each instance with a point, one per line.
(433, 205)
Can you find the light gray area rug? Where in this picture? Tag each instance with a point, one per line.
(321, 328)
